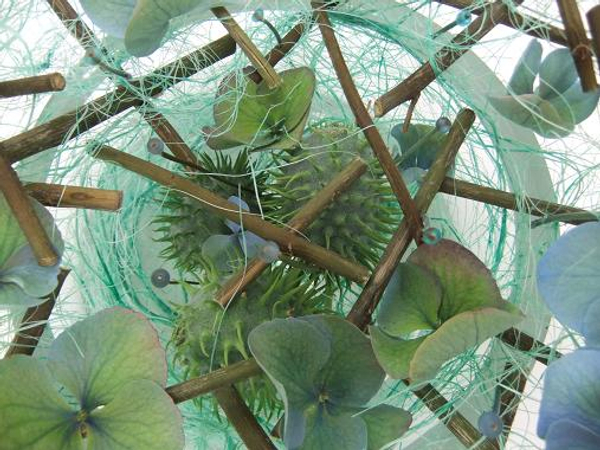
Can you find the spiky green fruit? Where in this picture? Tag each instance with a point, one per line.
(185, 223)
(359, 223)
(208, 336)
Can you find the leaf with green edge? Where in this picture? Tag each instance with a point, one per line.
(394, 354)
(557, 74)
(385, 424)
(466, 282)
(96, 356)
(259, 117)
(419, 146)
(526, 69)
(410, 302)
(22, 281)
(33, 415)
(328, 431)
(458, 334)
(141, 415)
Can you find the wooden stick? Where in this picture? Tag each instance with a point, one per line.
(287, 241)
(529, 205)
(216, 379)
(443, 59)
(364, 121)
(593, 18)
(303, 218)
(579, 44)
(525, 343)
(242, 419)
(77, 27)
(62, 196)
(520, 22)
(257, 59)
(22, 208)
(34, 322)
(361, 311)
(70, 125)
(409, 113)
(32, 85)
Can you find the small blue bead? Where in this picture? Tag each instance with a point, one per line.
(443, 125)
(463, 18)
(160, 278)
(432, 235)
(259, 15)
(155, 146)
(490, 424)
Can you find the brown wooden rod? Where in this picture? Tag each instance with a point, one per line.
(32, 85)
(578, 43)
(361, 311)
(242, 419)
(593, 18)
(365, 122)
(530, 205)
(34, 322)
(303, 218)
(266, 71)
(444, 58)
(22, 209)
(75, 123)
(195, 387)
(62, 196)
(77, 27)
(511, 388)
(520, 22)
(525, 343)
(288, 242)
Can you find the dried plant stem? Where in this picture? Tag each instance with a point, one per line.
(62, 196)
(266, 71)
(409, 113)
(22, 209)
(444, 58)
(520, 22)
(242, 419)
(216, 379)
(593, 18)
(530, 205)
(34, 322)
(69, 17)
(578, 43)
(32, 85)
(75, 123)
(287, 241)
(303, 218)
(365, 122)
(360, 313)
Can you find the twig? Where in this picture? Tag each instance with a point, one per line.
(364, 121)
(307, 214)
(62, 196)
(529, 205)
(443, 59)
(77, 27)
(75, 123)
(525, 343)
(409, 113)
(287, 241)
(593, 18)
(362, 309)
(579, 44)
(32, 85)
(216, 379)
(520, 22)
(22, 209)
(263, 67)
(34, 322)
(242, 419)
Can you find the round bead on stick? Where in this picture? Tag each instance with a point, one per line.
(160, 278)
(155, 146)
(259, 16)
(463, 18)
(490, 424)
(432, 235)
(443, 124)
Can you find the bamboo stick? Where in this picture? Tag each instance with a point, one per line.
(444, 58)
(62, 196)
(34, 322)
(32, 85)
(578, 43)
(77, 27)
(593, 18)
(365, 122)
(287, 241)
(520, 22)
(307, 214)
(530, 205)
(242, 419)
(75, 123)
(266, 71)
(22, 209)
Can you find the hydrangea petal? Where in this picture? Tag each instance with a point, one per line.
(557, 74)
(526, 69)
(394, 354)
(329, 431)
(112, 16)
(566, 434)
(385, 424)
(23, 270)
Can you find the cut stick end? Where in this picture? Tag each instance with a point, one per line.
(58, 82)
